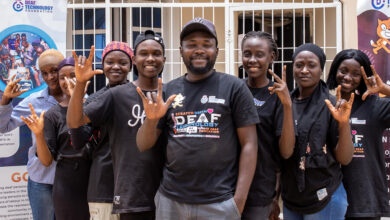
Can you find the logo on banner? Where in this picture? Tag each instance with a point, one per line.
(31, 6)
(18, 5)
(378, 4)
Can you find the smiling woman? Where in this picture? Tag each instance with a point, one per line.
(365, 177)
(311, 178)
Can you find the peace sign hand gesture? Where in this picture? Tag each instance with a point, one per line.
(154, 106)
(83, 67)
(374, 83)
(35, 124)
(280, 87)
(13, 89)
(342, 110)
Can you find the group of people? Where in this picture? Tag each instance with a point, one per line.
(19, 56)
(206, 145)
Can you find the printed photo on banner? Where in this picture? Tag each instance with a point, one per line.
(20, 49)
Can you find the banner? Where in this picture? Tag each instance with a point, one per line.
(374, 40)
(27, 29)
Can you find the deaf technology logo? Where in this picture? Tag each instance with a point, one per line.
(378, 4)
(31, 6)
(18, 5)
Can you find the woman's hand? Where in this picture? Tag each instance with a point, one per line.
(280, 87)
(154, 106)
(342, 110)
(374, 83)
(71, 83)
(83, 67)
(35, 124)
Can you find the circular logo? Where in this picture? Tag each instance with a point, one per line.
(204, 99)
(18, 5)
(378, 4)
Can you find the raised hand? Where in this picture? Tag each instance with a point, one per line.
(374, 83)
(83, 67)
(154, 106)
(13, 89)
(280, 87)
(35, 124)
(71, 83)
(342, 110)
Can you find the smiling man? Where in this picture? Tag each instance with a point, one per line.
(119, 110)
(212, 142)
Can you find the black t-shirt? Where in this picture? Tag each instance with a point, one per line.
(203, 147)
(312, 174)
(137, 175)
(365, 177)
(57, 134)
(101, 178)
(270, 111)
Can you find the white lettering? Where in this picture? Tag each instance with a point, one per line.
(136, 112)
(214, 117)
(358, 137)
(191, 119)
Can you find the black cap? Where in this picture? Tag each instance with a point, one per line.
(148, 35)
(199, 24)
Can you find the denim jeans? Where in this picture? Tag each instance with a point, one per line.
(41, 202)
(335, 210)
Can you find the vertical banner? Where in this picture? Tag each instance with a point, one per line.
(27, 28)
(374, 40)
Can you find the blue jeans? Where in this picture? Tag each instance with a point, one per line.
(335, 210)
(41, 201)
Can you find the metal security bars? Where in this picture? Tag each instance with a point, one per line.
(291, 22)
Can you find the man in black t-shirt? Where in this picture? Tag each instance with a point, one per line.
(211, 125)
(136, 175)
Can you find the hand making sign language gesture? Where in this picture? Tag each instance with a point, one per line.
(13, 89)
(280, 87)
(71, 84)
(83, 67)
(35, 123)
(154, 106)
(374, 83)
(342, 110)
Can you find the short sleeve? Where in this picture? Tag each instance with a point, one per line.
(80, 136)
(243, 109)
(383, 111)
(50, 133)
(100, 110)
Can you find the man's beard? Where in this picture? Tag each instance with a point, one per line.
(200, 70)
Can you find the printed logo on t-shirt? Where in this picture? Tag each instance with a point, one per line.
(138, 116)
(117, 200)
(178, 101)
(356, 121)
(358, 150)
(211, 99)
(202, 123)
(258, 102)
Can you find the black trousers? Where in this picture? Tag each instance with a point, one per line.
(70, 189)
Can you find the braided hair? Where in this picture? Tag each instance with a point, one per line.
(263, 35)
